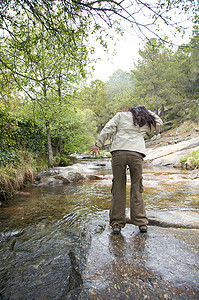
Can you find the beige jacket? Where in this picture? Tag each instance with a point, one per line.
(126, 136)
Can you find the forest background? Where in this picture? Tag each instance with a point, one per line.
(49, 110)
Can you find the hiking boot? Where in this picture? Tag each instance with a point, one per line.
(116, 228)
(143, 228)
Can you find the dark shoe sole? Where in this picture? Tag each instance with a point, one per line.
(143, 228)
(116, 229)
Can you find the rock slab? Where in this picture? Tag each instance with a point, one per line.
(173, 218)
(171, 154)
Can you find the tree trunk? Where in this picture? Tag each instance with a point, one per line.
(61, 146)
(50, 150)
(49, 144)
(163, 112)
(156, 111)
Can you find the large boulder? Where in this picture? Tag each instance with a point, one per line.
(49, 181)
(71, 176)
(171, 155)
(74, 176)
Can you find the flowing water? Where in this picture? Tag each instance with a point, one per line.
(43, 243)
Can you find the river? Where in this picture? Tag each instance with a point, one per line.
(45, 233)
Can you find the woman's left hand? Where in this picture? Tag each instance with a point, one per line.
(94, 150)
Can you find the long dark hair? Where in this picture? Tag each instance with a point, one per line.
(141, 116)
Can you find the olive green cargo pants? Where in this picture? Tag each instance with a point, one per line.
(118, 202)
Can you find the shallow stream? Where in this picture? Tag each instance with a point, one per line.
(44, 231)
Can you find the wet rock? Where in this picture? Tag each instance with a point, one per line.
(10, 234)
(75, 278)
(69, 177)
(49, 181)
(75, 176)
(179, 140)
(22, 193)
(47, 173)
(177, 165)
(189, 164)
(173, 218)
(141, 266)
(93, 177)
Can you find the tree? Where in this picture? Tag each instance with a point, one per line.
(94, 98)
(194, 50)
(153, 86)
(93, 14)
(51, 71)
(120, 90)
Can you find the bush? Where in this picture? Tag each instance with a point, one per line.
(61, 160)
(8, 158)
(20, 130)
(191, 161)
(194, 112)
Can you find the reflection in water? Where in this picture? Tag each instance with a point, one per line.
(119, 246)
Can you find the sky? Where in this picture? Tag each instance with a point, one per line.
(126, 55)
(126, 50)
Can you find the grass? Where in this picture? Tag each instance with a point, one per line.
(20, 168)
(15, 174)
(191, 161)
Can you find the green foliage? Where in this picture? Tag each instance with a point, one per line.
(194, 110)
(191, 160)
(165, 77)
(40, 161)
(95, 98)
(8, 158)
(76, 143)
(20, 132)
(61, 160)
(106, 99)
(31, 135)
(49, 68)
(53, 65)
(153, 86)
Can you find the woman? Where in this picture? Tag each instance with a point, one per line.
(128, 149)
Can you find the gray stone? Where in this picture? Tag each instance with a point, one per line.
(93, 177)
(71, 176)
(171, 154)
(160, 264)
(49, 181)
(173, 218)
(75, 176)
(156, 137)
